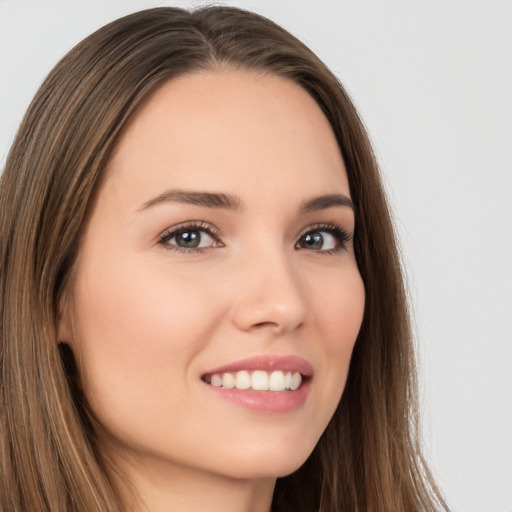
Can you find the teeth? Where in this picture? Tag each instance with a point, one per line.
(216, 380)
(276, 381)
(242, 380)
(228, 381)
(259, 380)
(296, 380)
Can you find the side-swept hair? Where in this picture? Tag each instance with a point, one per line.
(369, 457)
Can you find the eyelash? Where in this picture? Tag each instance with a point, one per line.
(201, 226)
(342, 237)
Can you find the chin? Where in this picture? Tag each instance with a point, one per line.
(268, 463)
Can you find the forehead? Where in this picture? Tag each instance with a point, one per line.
(227, 129)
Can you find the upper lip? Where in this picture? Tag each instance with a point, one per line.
(268, 363)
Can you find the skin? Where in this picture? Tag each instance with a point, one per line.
(146, 321)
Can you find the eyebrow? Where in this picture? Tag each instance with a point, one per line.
(324, 202)
(229, 202)
(206, 199)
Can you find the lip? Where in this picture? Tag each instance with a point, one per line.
(266, 401)
(267, 363)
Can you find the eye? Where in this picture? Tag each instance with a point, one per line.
(320, 240)
(190, 238)
(324, 238)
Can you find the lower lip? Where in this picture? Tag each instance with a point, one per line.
(265, 401)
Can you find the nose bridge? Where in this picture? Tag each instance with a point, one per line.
(269, 289)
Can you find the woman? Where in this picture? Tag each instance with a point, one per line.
(202, 305)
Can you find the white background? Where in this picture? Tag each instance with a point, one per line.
(433, 81)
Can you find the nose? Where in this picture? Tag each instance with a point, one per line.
(269, 294)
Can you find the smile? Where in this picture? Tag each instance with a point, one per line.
(258, 380)
(264, 383)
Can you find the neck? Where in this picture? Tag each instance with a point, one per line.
(160, 486)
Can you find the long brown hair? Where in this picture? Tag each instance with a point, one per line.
(369, 457)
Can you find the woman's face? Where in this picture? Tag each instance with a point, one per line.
(218, 253)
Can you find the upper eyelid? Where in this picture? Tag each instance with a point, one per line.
(345, 236)
(327, 226)
(164, 238)
(197, 225)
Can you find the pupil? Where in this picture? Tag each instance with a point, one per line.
(314, 241)
(188, 239)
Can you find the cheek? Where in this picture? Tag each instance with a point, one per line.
(339, 310)
(339, 317)
(137, 334)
